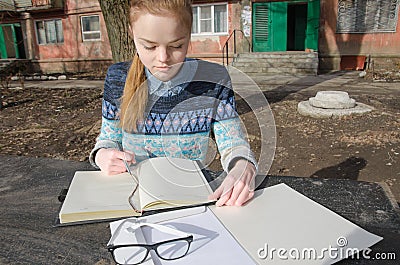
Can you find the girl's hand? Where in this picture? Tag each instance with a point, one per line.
(111, 161)
(238, 186)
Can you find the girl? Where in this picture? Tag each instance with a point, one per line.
(164, 104)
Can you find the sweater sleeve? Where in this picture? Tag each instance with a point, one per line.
(232, 143)
(111, 133)
(229, 131)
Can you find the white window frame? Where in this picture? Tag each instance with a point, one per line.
(90, 32)
(37, 31)
(212, 19)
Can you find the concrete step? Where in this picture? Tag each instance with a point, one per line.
(281, 70)
(12, 66)
(4, 62)
(286, 63)
(281, 55)
(4, 65)
(296, 64)
(271, 60)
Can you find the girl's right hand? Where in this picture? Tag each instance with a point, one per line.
(111, 161)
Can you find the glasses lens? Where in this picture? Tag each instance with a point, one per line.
(129, 255)
(173, 250)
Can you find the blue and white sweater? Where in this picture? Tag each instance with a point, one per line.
(180, 115)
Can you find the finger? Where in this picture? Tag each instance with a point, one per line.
(116, 154)
(237, 190)
(217, 193)
(113, 173)
(114, 169)
(130, 157)
(117, 163)
(244, 197)
(224, 198)
(252, 184)
(225, 186)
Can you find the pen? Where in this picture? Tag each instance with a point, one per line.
(149, 153)
(126, 163)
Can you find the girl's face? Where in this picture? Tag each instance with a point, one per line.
(161, 42)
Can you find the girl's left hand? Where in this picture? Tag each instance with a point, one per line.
(238, 186)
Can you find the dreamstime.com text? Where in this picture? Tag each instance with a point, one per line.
(338, 252)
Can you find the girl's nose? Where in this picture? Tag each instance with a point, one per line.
(163, 54)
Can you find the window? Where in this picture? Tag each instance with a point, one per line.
(91, 28)
(362, 16)
(50, 31)
(210, 19)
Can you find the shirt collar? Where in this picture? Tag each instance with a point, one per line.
(175, 85)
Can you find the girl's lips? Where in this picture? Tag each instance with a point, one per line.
(162, 68)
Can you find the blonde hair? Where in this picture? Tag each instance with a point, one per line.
(135, 94)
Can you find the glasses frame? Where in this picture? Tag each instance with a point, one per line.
(137, 225)
(154, 247)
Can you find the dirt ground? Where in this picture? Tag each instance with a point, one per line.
(63, 124)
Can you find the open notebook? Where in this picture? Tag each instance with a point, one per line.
(163, 183)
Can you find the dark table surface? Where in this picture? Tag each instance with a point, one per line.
(29, 188)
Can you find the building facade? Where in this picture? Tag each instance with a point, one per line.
(341, 31)
(359, 28)
(213, 26)
(70, 35)
(56, 36)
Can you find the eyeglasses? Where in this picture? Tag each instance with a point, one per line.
(130, 254)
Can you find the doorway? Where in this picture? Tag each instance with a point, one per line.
(285, 25)
(297, 26)
(11, 42)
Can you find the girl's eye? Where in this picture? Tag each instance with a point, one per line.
(178, 46)
(149, 48)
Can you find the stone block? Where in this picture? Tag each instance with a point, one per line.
(332, 100)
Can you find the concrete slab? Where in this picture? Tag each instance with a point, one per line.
(306, 109)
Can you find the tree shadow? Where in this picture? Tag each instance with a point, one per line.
(281, 92)
(17, 103)
(348, 169)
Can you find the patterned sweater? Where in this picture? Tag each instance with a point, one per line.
(181, 115)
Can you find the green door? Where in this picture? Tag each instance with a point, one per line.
(279, 25)
(8, 41)
(261, 27)
(271, 29)
(269, 26)
(3, 48)
(313, 12)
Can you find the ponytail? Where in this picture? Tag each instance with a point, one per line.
(135, 96)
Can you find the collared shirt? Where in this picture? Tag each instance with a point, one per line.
(176, 84)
